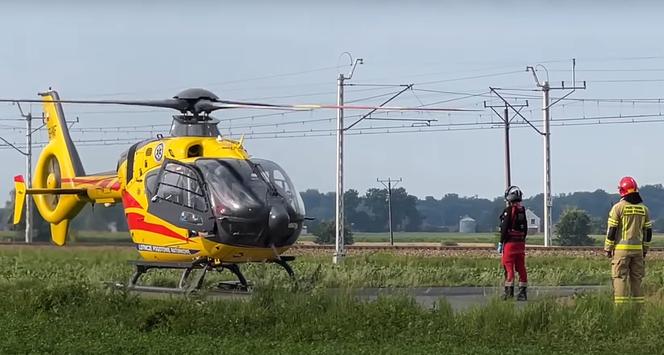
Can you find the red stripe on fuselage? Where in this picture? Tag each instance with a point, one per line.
(87, 180)
(136, 221)
(128, 201)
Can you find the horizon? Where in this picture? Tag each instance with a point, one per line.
(660, 186)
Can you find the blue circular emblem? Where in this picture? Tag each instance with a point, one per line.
(159, 152)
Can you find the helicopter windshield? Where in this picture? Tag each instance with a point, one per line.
(278, 178)
(242, 187)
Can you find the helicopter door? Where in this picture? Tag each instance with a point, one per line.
(179, 198)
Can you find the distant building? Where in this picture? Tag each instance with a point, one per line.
(112, 226)
(467, 225)
(533, 222)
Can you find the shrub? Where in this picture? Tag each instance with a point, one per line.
(574, 227)
(325, 233)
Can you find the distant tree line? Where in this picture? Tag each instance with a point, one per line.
(365, 213)
(368, 212)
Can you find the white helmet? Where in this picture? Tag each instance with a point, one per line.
(513, 194)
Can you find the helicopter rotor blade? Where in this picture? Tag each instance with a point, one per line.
(309, 107)
(179, 105)
(210, 106)
(192, 101)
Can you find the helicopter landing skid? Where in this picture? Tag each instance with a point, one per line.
(193, 275)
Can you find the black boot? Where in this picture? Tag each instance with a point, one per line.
(523, 295)
(509, 292)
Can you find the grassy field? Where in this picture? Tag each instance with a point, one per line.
(53, 302)
(99, 264)
(76, 318)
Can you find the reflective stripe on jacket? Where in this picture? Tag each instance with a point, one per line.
(630, 221)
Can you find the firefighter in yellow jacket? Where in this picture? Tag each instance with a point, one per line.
(627, 241)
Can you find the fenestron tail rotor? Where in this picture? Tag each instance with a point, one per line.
(53, 181)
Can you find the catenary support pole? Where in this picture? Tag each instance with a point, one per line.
(339, 248)
(546, 134)
(508, 168)
(388, 185)
(339, 251)
(505, 117)
(547, 164)
(389, 210)
(28, 182)
(28, 169)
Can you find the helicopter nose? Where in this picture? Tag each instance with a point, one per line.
(278, 221)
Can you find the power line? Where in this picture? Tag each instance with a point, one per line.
(428, 130)
(625, 81)
(612, 70)
(288, 123)
(558, 122)
(564, 122)
(470, 77)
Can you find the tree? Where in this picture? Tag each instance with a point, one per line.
(319, 206)
(326, 232)
(574, 227)
(405, 215)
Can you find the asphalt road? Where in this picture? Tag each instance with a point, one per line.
(459, 298)
(462, 298)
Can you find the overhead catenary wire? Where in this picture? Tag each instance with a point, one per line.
(394, 129)
(432, 127)
(428, 130)
(161, 127)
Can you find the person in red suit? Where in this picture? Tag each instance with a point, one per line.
(512, 246)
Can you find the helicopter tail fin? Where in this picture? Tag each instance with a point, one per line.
(58, 136)
(56, 169)
(19, 198)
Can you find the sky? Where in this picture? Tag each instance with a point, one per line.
(291, 52)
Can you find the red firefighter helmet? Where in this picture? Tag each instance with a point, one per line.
(627, 186)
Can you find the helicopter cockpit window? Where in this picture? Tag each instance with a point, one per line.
(241, 187)
(278, 177)
(235, 188)
(179, 185)
(151, 183)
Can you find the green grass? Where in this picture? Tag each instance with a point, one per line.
(97, 265)
(75, 317)
(53, 302)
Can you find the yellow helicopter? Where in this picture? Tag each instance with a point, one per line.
(193, 200)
